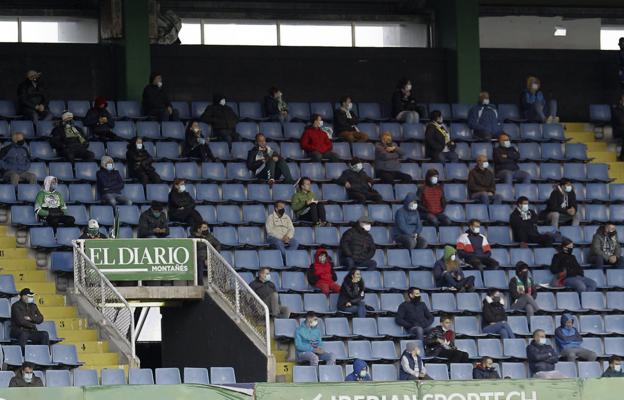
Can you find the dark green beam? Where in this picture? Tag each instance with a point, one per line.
(137, 57)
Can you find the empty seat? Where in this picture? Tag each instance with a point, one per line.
(514, 370)
(85, 377)
(305, 374)
(168, 376)
(196, 376)
(57, 378)
(330, 373)
(437, 372)
(113, 376)
(222, 375)
(514, 348)
(38, 355)
(384, 372)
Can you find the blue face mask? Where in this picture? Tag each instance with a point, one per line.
(156, 214)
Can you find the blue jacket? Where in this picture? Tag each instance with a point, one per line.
(567, 337)
(407, 222)
(14, 158)
(542, 357)
(306, 338)
(358, 365)
(483, 117)
(109, 182)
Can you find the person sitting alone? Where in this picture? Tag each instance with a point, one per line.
(275, 107)
(15, 161)
(316, 142)
(321, 273)
(110, 183)
(196, 145)
(360, 372)
(506, 158)
(153, 222)
(280, 230)
(523, 290)
(561, 206)
(542, 358)
(182, 205)
(569, 341)
(25, 377)
(412, 366)
(432, 200)
(266, 164)
(483, 118)
(156, 102)
(140, 162)
(25, 316)
(474, 248)
(414, 315)
(345, 122)
(266, 290)
(309, 343)
(615, 368)
(407, 224)
(358, 184)
(567, 272)
(605, 248)
(494, 317)
(93, 231)
(50, 206)
(441, 342)
(447, 273)
(351, 297)
(524, 229)
(357, 247)
(485, 369)
(69, 140)
(482, 183)
(100, 121)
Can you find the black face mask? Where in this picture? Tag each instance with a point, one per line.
(524, 274)
(416, 299)
(611, 234)
(567, 250)
(496, 299)
(280, 212)
(21, 142)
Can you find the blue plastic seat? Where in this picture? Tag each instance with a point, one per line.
(196, 376)
(26, 127)
(250, 110)
(255, 214)
(7, 109)
(461, 371)
(62, 261)
(530, 151)
(422, 280)
(85, 377)
(198, 108)
(399, 258)
(444, 302)
(514, 348)
(550, 172)
(589, 369)
(324, 109)
(614, 345)
(293, 130)
(598, 172)
(481, 149)
(64, 236)
(514, 370)
(113, 376)
(393, 127)
(424, 258)
(271, 130)
(455, 192)
(148, 129)
(42, 151)
(351, 212)
(456, 171)
(293, 302)
(574, 171)
(296, 282)
(62, 170)
(530, 131)
(553, 132)
(103, 214)
(461, 132)
(381, 213)
(413, 132)
(597, 192)
(615, 278)
(495, 279)
(567, 368)
(44, 128)
(438, 372)
(238, 172)
(299, 111)
(188, 171)
(468, 326)
(168, 376)
(395, 280)
(600, 113)
(43, 238)
(140, 376)
(338, 328)
(167, 151)
(251, 236)
(305, 374)
(614, 324)
(381, 236)
(449, 234)
(361, 349)
(576, 151)
(175, 130)
(330, 373)
(384, 372)
(490, 348)
(459, 111)
(364, 151)
(591, 324)
(125, 129)
(544, 322)
(596, 213)
(369, 111)
(57, 378)
(38, 355)
(298, 259)
(23, 216)
(65, 355)
(129, 109)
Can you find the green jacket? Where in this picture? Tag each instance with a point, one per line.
(299, 200)
(46, 200)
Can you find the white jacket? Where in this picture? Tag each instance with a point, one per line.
(278, 227)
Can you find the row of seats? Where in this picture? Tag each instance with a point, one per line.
(57, 355)
(136, 376)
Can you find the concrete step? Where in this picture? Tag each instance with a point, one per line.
(596, 146)
(284, 371)
(56, 312)
(577, 126)
(90, 347)
(99, 368)
(64, 324)
(43, 287)
(50, 300)
(7, 242)
(17, 264)
(78, 335)
(581, 137)
(24, 278)
(12, 252)
(99, 358)
(602, 156)
(280, 355)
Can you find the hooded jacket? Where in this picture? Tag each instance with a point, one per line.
(344, 121)
(279, 227)
(522, 229)
(19, 381)
(307, 338)
(565, 265)
(138, 160)
(14, 158)
(567, 338)
(604, 245)
(148, 222)
(406, 221)
(412, 313)
(484, 117)
(155, 99)
(506, 158)
(358, 366)
(440, 270)
(357, 244)
(108, 181)
(560, 201)
(48, 198)
(315, 139)
(221, 118)
(481, 180)
(386, 160)
(92, 119)
(321, 273)
(473, 244)
(350, 293)
(542, 357)
(480, 372)
(30, 95)
(191, 142)
(359, 181)
(493, 311)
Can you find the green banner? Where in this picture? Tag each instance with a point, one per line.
(143, 259)
(405, 390)
(505, 389)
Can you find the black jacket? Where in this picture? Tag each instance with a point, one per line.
(202, 251)
(264, 290)
(359, 180)
(138, 160)
(617, 119)
(342, 123)
(92, 120)
(542, 357)
(513, 289)
(85, 235)
(357, 244)
(179, 200)
(29, 96)
(434, 141)
(220, 117)
(19, 312)
(60, 141)
(18, 380)
(567, 263)
(148, 222)
(350, 293)
(411, 314)
(492, 312)
(522, 229)
(432, 346)
(479, 372)
(508, 163)
(399, 103)
(556, 199)
(155, 100)
(271, 108)
(191, 142)
(253, 160)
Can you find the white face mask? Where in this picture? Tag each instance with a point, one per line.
(159, 84)
(139, 146)
(568, 189)
(28, 376)
(109, 167)
(542, 340)
(30, 300)
(413, 206)
(617, 367)
(182, 188)
(433, 180)
(486, 101)
(408, 87)
(314, 323)
(453, 257)
(475, 229)
(322, 259)
(350, 106)
(366, 227)
(363, 373)
(267, 278)
(524, 207)
(320, 124)
(535, 86)
(357, 167)
(222, 102)
(485, 165)
(506, 143)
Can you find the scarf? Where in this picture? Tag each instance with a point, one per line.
(525, 215)
(564, 203)
(443, 131)
(608, 246)
(282, 105)
(72, 132)
(526, 286)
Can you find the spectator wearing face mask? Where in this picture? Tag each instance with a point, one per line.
(404, 106)
(69, 141)
(266, 164)
(15, 161)
(110, 183)
(493, 317)
(360, 372)
(534, 104)
(413, 315)
(156, 102)
(447, 272)
(407, 224)
(482, 183)
(523, 290)
(569, 341)
(345, 122)
(432, 200)
(615, 368)
(182, 205)
(567, 271)
(153, 222)
(99, 121)
(483, 118)
(441, 342)
(280, 230)
(542, 358)
(438, 144)
(140, 162)
(506, 159)
(351, 297)
(412, 366)
(561, 206)
(50, 206)
(222, 118)
(93, 231)
(196, 145)
(202, 231)
(321, 273)
(305, 205)
(33, 98)
(358, 184)
(25, 316)
(25, 377)
(357, 247)
(275, 108)
(474, 248)
(309, 343)
(316, 141)
(485, 369)
(266, 290)
(388, 161)
(605, 248)
(523, 222)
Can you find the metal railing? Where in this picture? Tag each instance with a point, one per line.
(101, 294)
(248, 307)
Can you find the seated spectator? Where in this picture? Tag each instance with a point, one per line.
(25, 377)
(222, 118)
(569, 341)
(404, 106)
(196, 145)
(407, 225)
(50, 206)
(266, 164)
(156, 103)
(494, 318)
(202, 231)
(140, 162)
(274, 106)
(447, 273)
(15, 161)
(414, 315)
(358, 184)
(345, 122)
(316, 141)
(534, 105)
(69, 141)
(99, 121)
(506, 159)
(360, 372)
(153, 222)
(321, 274)
(441, 342)
(412, 366)
(357, 247)
(182, 205)
(388, 161)
(110, 183)
(305, 206)
(542, 358)
(561, 207)
(438, 144)
(482, 183)
(92, 231)
(617, 120)
(485, 369)
(605, 248)
(523, 223)
(25, 316)
(615, 368)
(280, 230)
(567, 271)
(266, 290)
(309, 343)
(432, 200)
(483, 118)
(523, 290)
(33, 98)
(474, 248)
(351, 297)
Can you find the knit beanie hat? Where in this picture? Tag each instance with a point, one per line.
(448, 252)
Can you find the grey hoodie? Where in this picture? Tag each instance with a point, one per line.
(601, 243)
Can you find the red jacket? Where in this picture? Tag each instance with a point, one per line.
(315, 139)
(324, 272)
